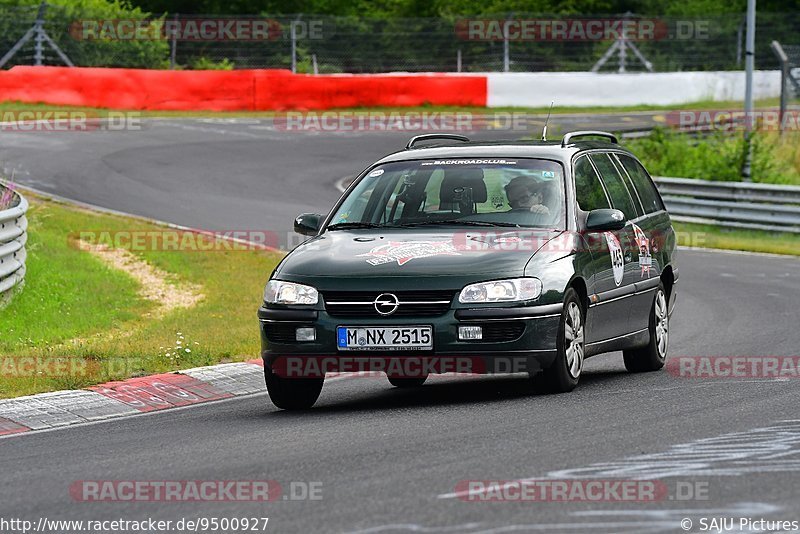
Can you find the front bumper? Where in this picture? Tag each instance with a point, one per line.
(518, 339)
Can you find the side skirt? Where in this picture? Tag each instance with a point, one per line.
(636, 339)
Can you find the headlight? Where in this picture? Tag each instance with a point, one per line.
(514, 290)
(278, 292)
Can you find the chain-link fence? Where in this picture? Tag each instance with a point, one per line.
(324, 44)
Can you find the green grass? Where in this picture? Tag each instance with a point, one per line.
(20, 106)
(52, 308)
(776, 158)
(698, 235)
(74, 308)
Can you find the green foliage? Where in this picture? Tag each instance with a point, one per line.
(63, 25)
(720, 156)
(438, 8)
(204, 63)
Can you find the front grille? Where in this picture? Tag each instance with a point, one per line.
(281, 333)
(496, 332)
(412, 303)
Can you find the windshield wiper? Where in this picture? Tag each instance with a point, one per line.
(347, 225)
(456, 222)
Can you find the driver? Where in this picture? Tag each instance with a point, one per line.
(526, 194)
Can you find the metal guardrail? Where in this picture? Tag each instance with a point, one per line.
(13, 236)
(732, 204)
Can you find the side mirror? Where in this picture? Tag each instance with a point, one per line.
(307, 223)
(605, 220)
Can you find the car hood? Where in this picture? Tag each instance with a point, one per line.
(354, 255)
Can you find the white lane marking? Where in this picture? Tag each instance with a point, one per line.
(766, 449)
(739, 252)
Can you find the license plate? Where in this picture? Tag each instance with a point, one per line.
(384, 337)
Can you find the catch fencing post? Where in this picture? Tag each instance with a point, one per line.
(784, 61)
(173, 44)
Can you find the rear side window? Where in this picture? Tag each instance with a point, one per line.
(620, 198)
(648, 194)
(588, 188)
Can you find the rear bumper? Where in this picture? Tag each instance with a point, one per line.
(520, 339)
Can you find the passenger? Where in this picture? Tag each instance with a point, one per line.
(526, 194)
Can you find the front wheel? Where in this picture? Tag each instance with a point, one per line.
(565, 372)
(292, 393)
(652, 356)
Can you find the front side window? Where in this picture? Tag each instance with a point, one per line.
(617, 190)
(474, 191)
(588, 188)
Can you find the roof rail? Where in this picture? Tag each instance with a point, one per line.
(425, 137)
(568, 137)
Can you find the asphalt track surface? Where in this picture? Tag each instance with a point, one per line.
(390, 460)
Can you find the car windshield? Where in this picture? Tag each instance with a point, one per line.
(515, 192)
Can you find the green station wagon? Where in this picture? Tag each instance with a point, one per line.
(490, 257)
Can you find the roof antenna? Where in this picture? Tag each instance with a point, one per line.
(544, 130)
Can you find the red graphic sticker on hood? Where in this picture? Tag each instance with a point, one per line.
(404, 251)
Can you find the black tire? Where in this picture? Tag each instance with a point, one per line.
(292, 393)
(407, 382)
(565, 372)
(652, 356)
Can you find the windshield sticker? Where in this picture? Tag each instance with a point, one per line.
(548, 174)
(617, 261)
(643, 245)
(469, 162)
(404, 251)
(376, 172)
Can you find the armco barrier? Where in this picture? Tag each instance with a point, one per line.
(13, 236)
(246, 90)
(733, 204)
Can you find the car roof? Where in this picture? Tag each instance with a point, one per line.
(502, 148)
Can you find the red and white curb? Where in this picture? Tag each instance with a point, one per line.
(134, 396)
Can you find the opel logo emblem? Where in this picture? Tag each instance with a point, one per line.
(386, 303)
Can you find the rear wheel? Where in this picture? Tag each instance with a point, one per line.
(565, 372)
(652, 356)
(407, 382)
(292, 393)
